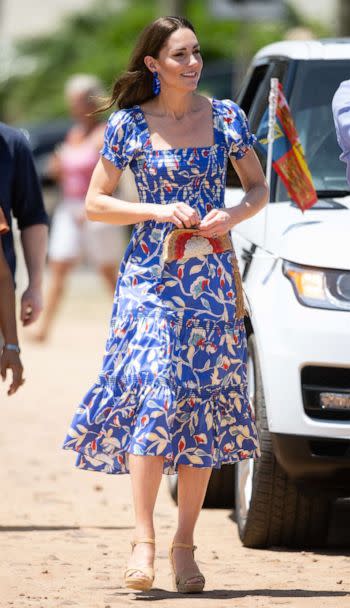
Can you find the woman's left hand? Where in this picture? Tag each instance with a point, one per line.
(216, 223)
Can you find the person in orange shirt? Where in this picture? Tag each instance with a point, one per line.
(9, 349)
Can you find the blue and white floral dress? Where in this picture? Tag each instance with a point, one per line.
(174, 375)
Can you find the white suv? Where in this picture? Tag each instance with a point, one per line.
(296, 279)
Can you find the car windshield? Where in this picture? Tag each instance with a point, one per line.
(311, 105)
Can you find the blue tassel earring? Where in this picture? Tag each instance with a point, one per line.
(156, 83)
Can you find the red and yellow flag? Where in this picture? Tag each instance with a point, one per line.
(288, 157)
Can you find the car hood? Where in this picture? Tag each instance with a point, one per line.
(317, 237)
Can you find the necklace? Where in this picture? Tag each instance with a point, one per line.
(177, 118)
(174, 117)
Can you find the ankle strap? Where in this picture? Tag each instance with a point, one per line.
(142, 540)
(184, 546)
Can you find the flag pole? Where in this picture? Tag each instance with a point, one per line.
(273, 97)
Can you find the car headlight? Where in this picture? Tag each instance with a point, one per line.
(319, 288)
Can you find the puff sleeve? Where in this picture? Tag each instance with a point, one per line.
(238, 137)
(119, 139)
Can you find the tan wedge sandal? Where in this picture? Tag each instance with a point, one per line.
(132, 577)
(182, 582)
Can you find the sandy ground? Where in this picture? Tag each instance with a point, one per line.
(64, 533)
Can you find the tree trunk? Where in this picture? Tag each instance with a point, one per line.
(343, 17)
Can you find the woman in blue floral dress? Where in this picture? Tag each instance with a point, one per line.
(172, 394)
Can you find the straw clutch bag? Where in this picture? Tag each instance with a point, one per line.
(184, 243)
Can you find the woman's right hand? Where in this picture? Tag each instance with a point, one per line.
(180, 214)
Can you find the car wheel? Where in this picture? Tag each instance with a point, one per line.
(270, 508)
(220, 493)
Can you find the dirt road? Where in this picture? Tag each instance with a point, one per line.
(64, 533)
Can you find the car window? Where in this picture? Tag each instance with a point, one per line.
(254, 98)
(311, 105)
(251, 86)
(251, 90)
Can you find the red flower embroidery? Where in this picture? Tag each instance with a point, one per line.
(199, 439)
(181, 445)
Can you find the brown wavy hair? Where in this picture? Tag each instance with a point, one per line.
(134, 86)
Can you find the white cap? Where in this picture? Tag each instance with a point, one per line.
(87, 84)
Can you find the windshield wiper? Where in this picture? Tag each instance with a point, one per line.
(332, 193)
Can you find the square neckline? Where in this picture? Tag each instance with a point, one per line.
(153, 150)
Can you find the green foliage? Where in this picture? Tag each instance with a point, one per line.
(100, 41)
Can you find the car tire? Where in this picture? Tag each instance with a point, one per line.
(220, 493)
(270, 508)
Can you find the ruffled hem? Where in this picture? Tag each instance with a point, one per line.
(204, 426)
(101, 463)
